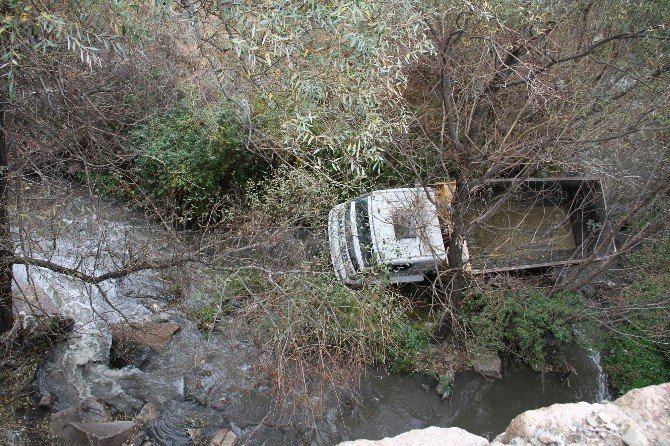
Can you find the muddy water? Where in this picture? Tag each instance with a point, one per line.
(392, 405)
(203, 382)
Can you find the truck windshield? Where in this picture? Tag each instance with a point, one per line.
(363, 227)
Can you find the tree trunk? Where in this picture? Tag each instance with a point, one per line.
(6, 245)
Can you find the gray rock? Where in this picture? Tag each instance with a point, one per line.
(148, 414)
(517, 441)
(139, 439)
(592, 421)
(634, 437)
(488, 364)
(102, 434)
(46, 401)
(89, 410)
(605, 417)
(224, 437)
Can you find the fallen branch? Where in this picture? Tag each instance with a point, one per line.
(116, 274)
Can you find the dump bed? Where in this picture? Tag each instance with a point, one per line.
(535, 223)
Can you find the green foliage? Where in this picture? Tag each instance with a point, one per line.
(82, 28)
(321, 318)
(294, 196)
(190, 160)
(410, 339)
(637, 351)
(222, 297)
(330, 74)
(633, 361)
(527, 322)
(109, 184)
(209, 316)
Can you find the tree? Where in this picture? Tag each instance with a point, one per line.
(318, 83)
(505, 84)
(34, 34)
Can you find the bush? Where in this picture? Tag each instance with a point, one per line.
(535, 327)
(315, 330)
(632, 361)
(637, 351)
(190, 160)
(294, 196)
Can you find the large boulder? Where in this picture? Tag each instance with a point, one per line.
(114, 433)
(89, 410)
(154, 335)
(432, 436)
(639, 418)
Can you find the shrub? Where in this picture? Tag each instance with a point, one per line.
(632, 361)
(294, 196)
(535, 327)
(315, 330)
(637, 351)
(190, 160)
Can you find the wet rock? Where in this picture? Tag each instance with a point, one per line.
(88, 410)
(134, 344)
(488, 364)
(224, 437)
(46, 401)
(154, 335)
(124, 354)
(139, 438)
(148, 414)
(102, 434)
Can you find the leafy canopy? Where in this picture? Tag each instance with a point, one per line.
(84, 28)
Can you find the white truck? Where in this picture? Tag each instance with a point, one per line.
(511, 225)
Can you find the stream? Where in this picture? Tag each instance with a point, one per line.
(207, 381)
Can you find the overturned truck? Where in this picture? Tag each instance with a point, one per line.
(509, 225)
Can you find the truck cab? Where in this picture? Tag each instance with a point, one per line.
(395, 228)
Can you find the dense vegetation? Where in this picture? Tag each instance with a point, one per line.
(300, 105)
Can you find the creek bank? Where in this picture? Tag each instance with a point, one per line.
(639, 418)
(204, 381)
